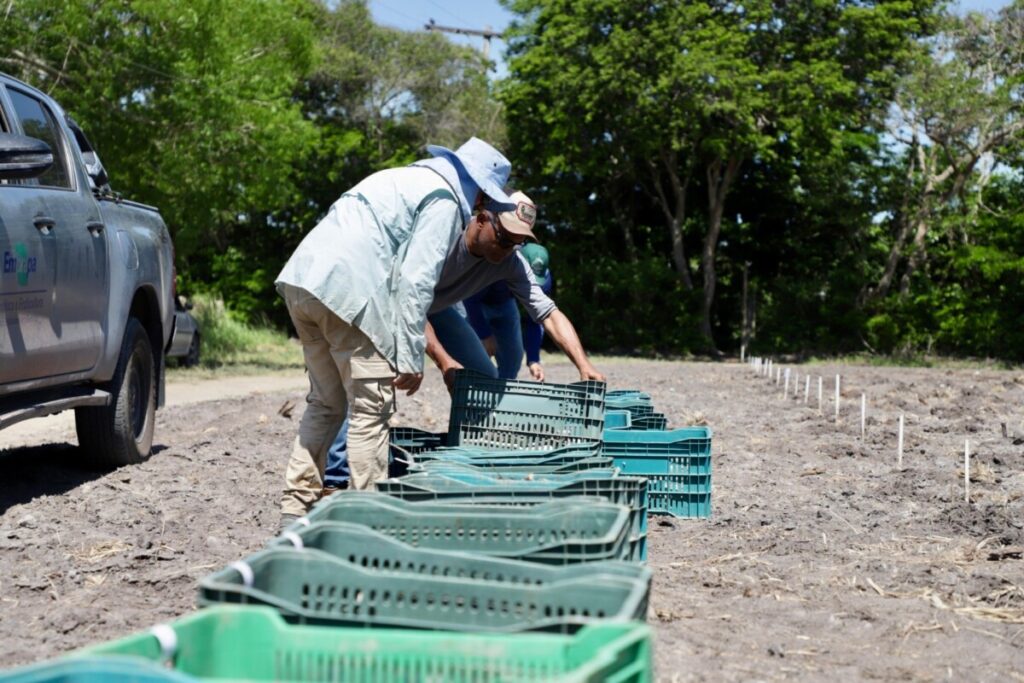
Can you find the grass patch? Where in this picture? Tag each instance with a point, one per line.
(238, 347)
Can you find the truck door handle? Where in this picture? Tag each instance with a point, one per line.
(44, 224)
(95, 228)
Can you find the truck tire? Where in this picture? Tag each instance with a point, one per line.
(121, 433)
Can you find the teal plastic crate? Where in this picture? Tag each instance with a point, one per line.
(675, 451)
(677, 464)
(248, 644)
(554, 531)
(617, 419)
(627, 393)
(636, 404)
(682, 505)
(629, 491)
(540, 457)
(412, 440)
(478, 476)
(523, 465)
(314, 587)
(503, 414)
(95, 669)
(652, 421)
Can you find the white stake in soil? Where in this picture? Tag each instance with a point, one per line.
(820, 410)
(863, 413)
(899, 447)
(807, 388)
(785, 392)
(967, 471)
(837, 398)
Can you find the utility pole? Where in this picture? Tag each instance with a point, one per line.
(486, 33)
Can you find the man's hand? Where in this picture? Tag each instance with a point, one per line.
(590, 372)
(409, 382)
(536, 371)
(448, 371)
(490, 346)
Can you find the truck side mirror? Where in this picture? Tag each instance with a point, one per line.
(23, 157)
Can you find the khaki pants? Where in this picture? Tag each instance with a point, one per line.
(343, 366)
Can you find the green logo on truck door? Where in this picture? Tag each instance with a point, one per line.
(19, 263)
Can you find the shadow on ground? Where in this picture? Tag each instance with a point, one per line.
(51, 469)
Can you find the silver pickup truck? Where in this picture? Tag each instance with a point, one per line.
(86, 286)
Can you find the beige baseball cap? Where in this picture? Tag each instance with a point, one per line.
(520, 219)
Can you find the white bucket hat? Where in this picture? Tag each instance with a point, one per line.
(488, 167)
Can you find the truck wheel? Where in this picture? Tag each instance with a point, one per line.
(122, 433)
(191, 359)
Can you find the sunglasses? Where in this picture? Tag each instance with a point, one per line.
(504, 237)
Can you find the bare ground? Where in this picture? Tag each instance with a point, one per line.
(821, 560)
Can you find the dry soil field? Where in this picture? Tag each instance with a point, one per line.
(822, 559)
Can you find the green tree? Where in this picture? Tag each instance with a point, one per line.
(676, 99)
(188, 103)
(960, 104)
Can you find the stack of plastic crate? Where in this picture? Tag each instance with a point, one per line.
(640, 408)
(513, 550)
(676, 464)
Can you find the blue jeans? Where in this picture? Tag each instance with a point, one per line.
(503, 320)
(461, 343)
(337, 473)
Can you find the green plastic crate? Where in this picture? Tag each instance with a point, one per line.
(311, 586)
(555, 531)
(502, 414)
(249, 644)
(96, 669)
(365, 547)
(629, 491)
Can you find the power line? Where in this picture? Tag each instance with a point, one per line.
(395, 11)
(487, 34)
(445, 10)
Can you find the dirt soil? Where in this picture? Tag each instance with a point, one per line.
(822, 559)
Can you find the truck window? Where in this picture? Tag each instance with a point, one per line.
(37, 122)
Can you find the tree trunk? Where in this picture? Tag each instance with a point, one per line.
(674, 210)
(881, 288)
(719, 182)
(625, 221)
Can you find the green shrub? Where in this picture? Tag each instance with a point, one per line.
(228, 340)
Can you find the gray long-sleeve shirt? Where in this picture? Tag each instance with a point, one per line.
(464, 275)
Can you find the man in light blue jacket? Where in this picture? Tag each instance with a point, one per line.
(358, 289)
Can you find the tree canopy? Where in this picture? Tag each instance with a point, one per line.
(801, 176)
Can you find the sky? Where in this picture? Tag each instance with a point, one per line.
(413, 15)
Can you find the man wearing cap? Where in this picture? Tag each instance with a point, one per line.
(358, 288)
(490, 252)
